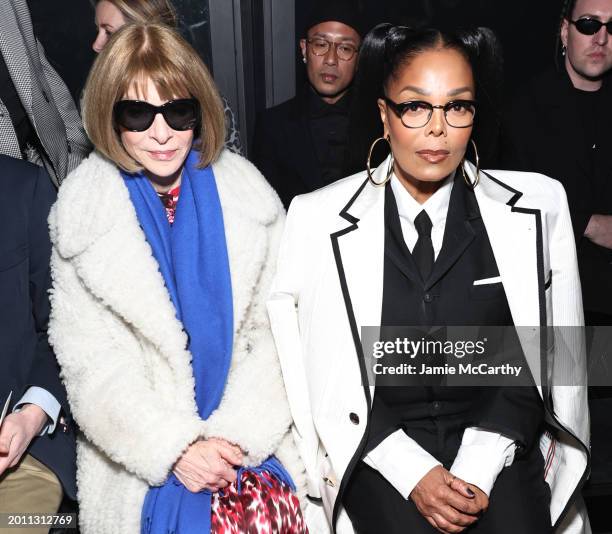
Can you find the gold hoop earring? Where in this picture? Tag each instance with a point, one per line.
(471, 184)
(389, 168)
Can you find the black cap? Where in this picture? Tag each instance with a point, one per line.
(344, 11)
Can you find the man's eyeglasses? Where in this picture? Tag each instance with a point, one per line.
(320, 47)
(588, 26)
(417, 113)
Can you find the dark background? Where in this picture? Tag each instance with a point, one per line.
(67, 30)
(527, 30)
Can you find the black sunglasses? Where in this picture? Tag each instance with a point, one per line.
(591, 26)
(137, 116)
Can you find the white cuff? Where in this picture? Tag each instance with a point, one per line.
(482, 456)
(402, 461)
(46, 402)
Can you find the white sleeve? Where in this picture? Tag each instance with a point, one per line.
(482, 456)
(402, 461)
(46, 402)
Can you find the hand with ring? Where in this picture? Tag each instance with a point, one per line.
(448, 503)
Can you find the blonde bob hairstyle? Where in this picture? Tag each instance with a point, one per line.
(138, 53)
(140, 11)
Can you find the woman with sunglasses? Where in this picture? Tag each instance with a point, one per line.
(113, 14)
(429, 240)
(163, 249)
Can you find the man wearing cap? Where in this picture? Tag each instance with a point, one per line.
(300, 145)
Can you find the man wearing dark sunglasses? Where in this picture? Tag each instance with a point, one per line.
(587, 43)
(560, 125)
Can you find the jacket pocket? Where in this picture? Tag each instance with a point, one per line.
(487, 281)
(487, 288)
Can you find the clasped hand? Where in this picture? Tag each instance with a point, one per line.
(448, 503)
(16, 433)
(208, 465)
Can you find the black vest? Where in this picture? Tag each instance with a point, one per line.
(448, 297)
(429, 412)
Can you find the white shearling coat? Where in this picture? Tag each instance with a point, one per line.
(122, 351)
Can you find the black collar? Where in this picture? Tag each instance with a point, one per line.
(317, 107)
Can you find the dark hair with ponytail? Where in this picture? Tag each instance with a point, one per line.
(387, 49)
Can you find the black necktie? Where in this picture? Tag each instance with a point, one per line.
(423, 252)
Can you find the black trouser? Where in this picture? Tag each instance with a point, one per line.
(519, 502)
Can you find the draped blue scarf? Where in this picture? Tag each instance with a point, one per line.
(193, 260)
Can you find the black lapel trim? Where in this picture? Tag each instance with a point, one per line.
(541, 280)
(542, 285)
(549, 281)
(539, 242)
(356, 340)
(346, 215)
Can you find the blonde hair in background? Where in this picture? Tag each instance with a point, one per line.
(135, 54)
(143, 11)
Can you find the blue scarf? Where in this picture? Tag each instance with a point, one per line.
(193, 260)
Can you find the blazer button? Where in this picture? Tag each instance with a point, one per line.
(354, 418)
(428, 297)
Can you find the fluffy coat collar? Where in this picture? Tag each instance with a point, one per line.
(94, 225)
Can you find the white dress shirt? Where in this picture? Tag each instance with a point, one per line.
(400, 459)
(46, 402)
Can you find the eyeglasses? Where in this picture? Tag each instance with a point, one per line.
(417, 113)
(320, 47)
(591, 26)
(137, 116)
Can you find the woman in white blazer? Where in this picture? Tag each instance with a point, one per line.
(430, 239)
(163, 250)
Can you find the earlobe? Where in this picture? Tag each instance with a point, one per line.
(563, 32)
(382, 108)
(303, 49)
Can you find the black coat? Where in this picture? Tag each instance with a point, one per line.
(25, 355)
(283, 149)
(544, 132)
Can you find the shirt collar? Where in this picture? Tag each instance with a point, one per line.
(436, 205)
(319, 108)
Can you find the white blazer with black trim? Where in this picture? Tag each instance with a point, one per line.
(329, 283)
